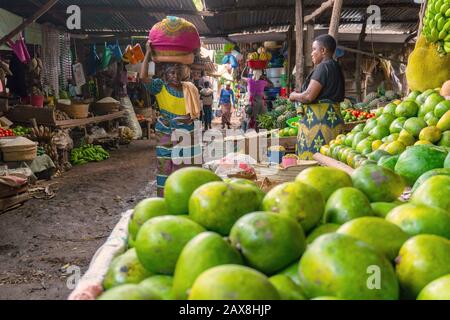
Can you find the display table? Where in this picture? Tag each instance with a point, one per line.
(46, 117)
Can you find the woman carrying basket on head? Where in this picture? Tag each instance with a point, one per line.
(171, 45)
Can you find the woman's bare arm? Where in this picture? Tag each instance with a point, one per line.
(310, 95)
(144, 68)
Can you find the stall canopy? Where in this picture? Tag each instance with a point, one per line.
(217, 19)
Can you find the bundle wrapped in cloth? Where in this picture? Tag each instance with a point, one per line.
(174, 40)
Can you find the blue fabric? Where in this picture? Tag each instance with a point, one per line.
(155, 86)
(226, 96)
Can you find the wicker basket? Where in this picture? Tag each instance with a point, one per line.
(75, 111)
(27, 154)
(105, 108)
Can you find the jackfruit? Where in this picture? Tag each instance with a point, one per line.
(426, 68)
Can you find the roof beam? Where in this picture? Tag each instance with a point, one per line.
(225, 33)
(232, 10)
(324, 7)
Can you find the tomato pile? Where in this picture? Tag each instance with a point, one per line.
(6, 133)
(351, 115)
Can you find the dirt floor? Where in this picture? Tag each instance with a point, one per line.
(39, 240)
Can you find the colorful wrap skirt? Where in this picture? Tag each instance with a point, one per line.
(320, 124)
(178, 146)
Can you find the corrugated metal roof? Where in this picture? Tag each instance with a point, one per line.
(138, 20)
(231, 16)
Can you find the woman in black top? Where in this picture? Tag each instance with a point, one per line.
(321, 94)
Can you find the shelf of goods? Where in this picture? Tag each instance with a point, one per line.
(47, 117)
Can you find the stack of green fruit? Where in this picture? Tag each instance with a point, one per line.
(288, 132)
(415, 130)
(276, 119)
(317, 237)
(437, 24)
(88, 153)
(20, 131)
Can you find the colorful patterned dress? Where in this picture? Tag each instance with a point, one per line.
(320, 124)
(172, 155)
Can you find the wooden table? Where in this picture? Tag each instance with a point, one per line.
(46, 117)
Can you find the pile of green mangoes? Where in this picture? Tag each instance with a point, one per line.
(326, 235)
(437, 24)
(88, 153)
(20, 131)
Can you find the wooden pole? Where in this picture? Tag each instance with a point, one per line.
(422, 12)
(290, 36)
(29, 21)
(316, 13)
(335, 19)
(308, 47)
(299, 55)
(362, 37)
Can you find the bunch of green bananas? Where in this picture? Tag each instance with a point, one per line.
(437, 24)
(88, 153)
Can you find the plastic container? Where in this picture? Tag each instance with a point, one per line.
(275, 72)
(37, 101)
(277, 82)
(291, 122)
(275, 156)
(289, 162)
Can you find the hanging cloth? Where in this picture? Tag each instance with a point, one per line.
(20, 49)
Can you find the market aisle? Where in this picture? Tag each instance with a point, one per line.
(42, 238)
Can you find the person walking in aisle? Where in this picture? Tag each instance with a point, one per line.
(226, 103)
(207, 96)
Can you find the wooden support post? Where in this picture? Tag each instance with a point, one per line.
(290, 36)
(308, 47)
(29, 21)
(358, 61)
(422, 12)
(299, 56)
(335, 19)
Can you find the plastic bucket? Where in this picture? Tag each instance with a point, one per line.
(37, 101)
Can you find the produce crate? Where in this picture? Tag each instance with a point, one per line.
(90, 285)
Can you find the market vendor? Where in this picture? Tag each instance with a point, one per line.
(179, 101)
(256, 85)
(320, 95)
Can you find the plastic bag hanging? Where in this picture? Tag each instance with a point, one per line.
(20, 49)
(116, 51)
(93, 61)
(107, 56)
